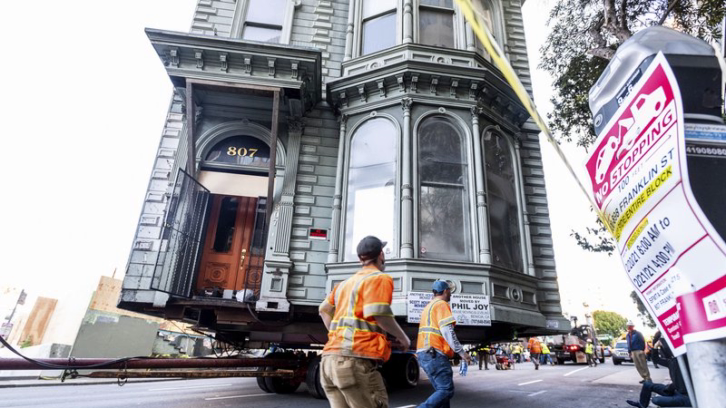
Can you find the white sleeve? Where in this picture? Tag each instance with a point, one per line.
(448, 333)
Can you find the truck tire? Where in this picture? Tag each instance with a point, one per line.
(617, 362)
(401, 371)
(560, 361)
(261, 381)
(280, 385)
(312, 379)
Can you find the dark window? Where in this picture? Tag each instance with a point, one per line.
(503, 210)
(371, 199)
(436, 23)
(378, 25)
(264, 19)
(224, 234)
(444, 228)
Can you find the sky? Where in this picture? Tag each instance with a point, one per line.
(85, 96)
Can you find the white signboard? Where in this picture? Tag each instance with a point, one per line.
(640, 182)
(468, 310)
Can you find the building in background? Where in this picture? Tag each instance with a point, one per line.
(297, 127)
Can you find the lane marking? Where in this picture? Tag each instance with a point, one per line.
(529, 382)
(191, 386)
(238, 396)
(537, 393)
(574, 371)
(407, 406)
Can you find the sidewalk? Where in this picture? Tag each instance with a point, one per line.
(17, 383)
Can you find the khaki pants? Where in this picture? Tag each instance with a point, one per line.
(351, 382)
(641, 364)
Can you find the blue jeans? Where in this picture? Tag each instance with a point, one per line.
(439, 371)
(547, 358)
(664, 399)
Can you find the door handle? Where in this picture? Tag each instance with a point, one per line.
(242, 258)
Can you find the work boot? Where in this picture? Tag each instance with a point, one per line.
(635, 403)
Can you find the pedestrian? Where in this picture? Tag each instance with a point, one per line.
(535, 349)
(589, 349)
(655, 351)
(674, 394)
(436, 344)
(636, 348)
(483, 355)
(546, 355)
(360, 304)
(517, 352)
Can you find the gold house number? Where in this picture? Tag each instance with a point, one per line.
(242, 152)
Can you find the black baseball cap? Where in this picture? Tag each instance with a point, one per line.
(369, 247)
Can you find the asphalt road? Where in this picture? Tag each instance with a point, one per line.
(569, 386)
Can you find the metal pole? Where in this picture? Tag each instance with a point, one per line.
(22, 364)
(687, 380)
(707, 360)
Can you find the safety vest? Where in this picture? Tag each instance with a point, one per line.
(545, 349)
(434, 316)
(353, 329)
(517, 350)
(588, 348)
(534, 346)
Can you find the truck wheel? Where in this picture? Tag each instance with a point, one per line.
(617, 362)
(281, 385)
(261, 382)
(560, 361)
(312, 379)
(401, 371)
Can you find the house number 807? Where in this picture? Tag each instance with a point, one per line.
(241, 151)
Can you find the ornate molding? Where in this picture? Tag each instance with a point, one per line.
(295, 124)
(406, 104)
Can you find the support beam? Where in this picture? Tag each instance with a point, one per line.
(335, 228)
(485, 252)
(407, 183)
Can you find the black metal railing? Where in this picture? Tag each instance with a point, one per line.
(181, 236)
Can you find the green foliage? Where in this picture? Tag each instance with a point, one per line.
(609, 323)
(643, 313)
(584, 36)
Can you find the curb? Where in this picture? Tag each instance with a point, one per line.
(57, 383)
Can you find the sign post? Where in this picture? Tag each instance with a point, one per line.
(639, 179)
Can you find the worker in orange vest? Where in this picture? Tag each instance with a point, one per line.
(436, 344)
(357, 314)
(535, 349)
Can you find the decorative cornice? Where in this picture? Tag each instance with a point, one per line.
(295, 124)
(406, 104)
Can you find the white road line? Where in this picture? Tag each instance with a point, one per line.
(530, 382)
(407, 406)
(537, 393)
(191, 386)
(574, 371)
(238, 396)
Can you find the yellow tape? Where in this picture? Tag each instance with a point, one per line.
(640, 200)
(474, 15)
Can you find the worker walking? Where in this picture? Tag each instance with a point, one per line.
(636, 348)
(535, 349)
(546, 357)
(591, 361)
(357, 314)
(436, 344)
(484, 353)
(517, 352)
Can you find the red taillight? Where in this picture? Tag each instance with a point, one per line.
(573, 348)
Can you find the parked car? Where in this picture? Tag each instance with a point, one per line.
(620, 353)
(607, 352)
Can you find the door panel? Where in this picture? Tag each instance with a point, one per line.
(229, 234)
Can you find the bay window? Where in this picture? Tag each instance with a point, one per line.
(264, 20)
(436, 23)
(444, 216)
(502, 197)
(371, 196)
(378, 25)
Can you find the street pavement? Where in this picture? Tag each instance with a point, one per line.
(568, 386)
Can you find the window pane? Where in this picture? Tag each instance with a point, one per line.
(438, 3)
(503, 210)
(371, 199)
(436, 28)
(443, 202)
(261, 34)
(266, 11)
(379, 33)
(374, 7)
(224, 234)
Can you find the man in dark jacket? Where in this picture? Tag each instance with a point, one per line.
(636, 348)
(674, 394)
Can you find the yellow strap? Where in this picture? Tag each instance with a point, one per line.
(474, 15)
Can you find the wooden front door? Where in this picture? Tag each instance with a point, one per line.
(226, 255)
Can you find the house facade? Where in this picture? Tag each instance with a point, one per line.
(297, 127)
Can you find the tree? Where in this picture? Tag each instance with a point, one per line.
(585, 35)
(609, 323)
(643, 313)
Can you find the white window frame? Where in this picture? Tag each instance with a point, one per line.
(240, 14)
(358, 28)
